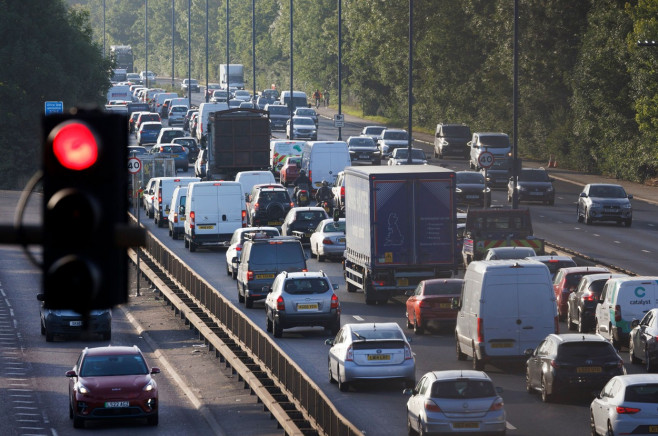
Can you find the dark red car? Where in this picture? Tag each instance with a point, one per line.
(431, 303)
(110, 383)
(566, 281)
(290, 170)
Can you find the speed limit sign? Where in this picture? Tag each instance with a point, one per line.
(486, 159)
(134, 165)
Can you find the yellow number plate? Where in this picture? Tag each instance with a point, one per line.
(307, 306)
(403, 282)
(379, 357)
(264, 276)
(588, 369)
(207, 227)
(182, 218)
(466, 425)
(445, 305)
(653, 429)
(274, 223)
(502, 345)
(341, 240)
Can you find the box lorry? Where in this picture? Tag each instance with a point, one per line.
(401, 228)
(238, 140)
(233, 76)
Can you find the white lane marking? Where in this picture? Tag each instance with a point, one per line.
(509, 425)
(646, 251)
(357, 317)
(616, 242)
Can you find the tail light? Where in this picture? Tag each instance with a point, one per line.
(422, 303)
(617, 313)
(238, 248)
(175, 217)
(620, 364)
(588, 297)
(327, 241)
(480, 330)
(431, 406)
(250, 275)
(334, 301)
(555, 364)
(292, 204)
(342, 191)
(160, 195)
(280, 304)
(310, 176)
(627, 410)
(407, 353)
(192, 219)
(244, 218)
(349, 354)
(556, 324)
(256, 206)
(497, 404)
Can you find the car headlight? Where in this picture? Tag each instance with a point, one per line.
(549, 189)
(458, 190)
(149, 386)
(487, 189)
(521, 188)
(626, 206)
(595, 205)
(81, 388)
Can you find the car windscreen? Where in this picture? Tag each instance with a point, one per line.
(555, 265)
(274, 197)
(168, 136)
(99, 366)
(304, 121)
(462, 389)
(495, 141)
(278, 110)
(582, 350)
(306, 286)
(470, 177)
(187, 142)
(337, 226)
(376, 334)
(449, 288)
(607, 192)
(374, 130)
(151, 126)
(363, 141)
(150, 117)
(533, 176)
(457, 131)
(396, 136)
(645, 393)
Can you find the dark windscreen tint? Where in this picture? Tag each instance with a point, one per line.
(306, 286)
(311, 215)
(396, 136)
(186, 142)
(457, 131)
(463, 388)
(264, 233)
(583, 350)
(495, 141)
(150, 117)
(338, 226)
(554, 266)
(304, 121)
(572, 280)
(274, 197)
(99, 366)
(596, 287)
(276, 253)
(376, 334)
(363, 141)
(607, 192)
(642, 393)
(449, 288)
(533, 176)
(278, 110)
(470, 177)
(151, 127)
(374, 130)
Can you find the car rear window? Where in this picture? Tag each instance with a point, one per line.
(463, 388)
(336, 226)
(642, 393)
(311, 215)
(449, 288)
(276, 253)
(581, 350)
(379, 345)
(274, 196)
(306, 286)
(151, 127)
(377, 334)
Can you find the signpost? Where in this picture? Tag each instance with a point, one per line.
(486, 160)
(134, 167)
(339, 120)
(53, 107)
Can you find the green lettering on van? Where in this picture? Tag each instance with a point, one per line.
(640, 292)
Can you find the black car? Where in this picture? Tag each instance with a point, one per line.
(190, 144)
(302, 221)
(571, 363)
(471, 190)
(581, 306)
(452, 139)
(534, 184)
(268, 205)
(364, 149)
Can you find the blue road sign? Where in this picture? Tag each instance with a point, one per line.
(54, 107)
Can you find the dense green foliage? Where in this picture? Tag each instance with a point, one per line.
(48, 54)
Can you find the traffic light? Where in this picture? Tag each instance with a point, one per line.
(85, 204)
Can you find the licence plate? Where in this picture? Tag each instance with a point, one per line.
(588, 369)
(472, 196)
(502, 345)
(313, 306)
(445, 305)
(182, 218)
(364, 156)
(75, 323)
(264, 276)
(466, 425)
(653, 429)
(274, 223)
(207, 227)
(536, 193)
(609, 209)
(379, 357)
(117, 404)
(402, 282)
(341, 240)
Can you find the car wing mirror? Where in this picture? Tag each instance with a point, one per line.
(630, 196)
(529, 352)
(635, 323)
(499, 390)
(409, 293)
(329, 342)
(455, 303)
(583, 195)
(266, 289)
(408, 392)
(41, 297)
(335, 286)
(71, 373)
(155, 370)
(235, 260)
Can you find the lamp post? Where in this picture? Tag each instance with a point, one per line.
(228, 67)
(515, 116)
(172, 42)
(340, 66)
(103, 29)
(253, 46)
(411, 95)
(146, 42)
(290, 106)
(189, 53)
(207, 97)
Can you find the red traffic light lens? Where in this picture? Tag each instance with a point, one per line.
(74, 145)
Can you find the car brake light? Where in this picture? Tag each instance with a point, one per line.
(175, 217)
(327, 241)
(292, 204)
(480, 330)
(588, 297)
(431, 406)
(244, 218)
(280, 304)
(192, 219)
(334, 301)
(160, 195)
(238, 248)
(342, 191)
(617, 313)
(407, 353)
(627, 410)
(349, 354)
(250, 275)
(305, 270)
(555, 364)
(256, 206)
(497, 404)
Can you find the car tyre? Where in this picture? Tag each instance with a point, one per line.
(240, 296)
(421, 431)
(153, 420)
(588, 219)
(545, 396)
(582, 328)
(268, 323)
(628, 222)
(332, 380)
(528, 385)
(592, 427)
(419, 328)
(350, 287)
(631, 353)
(460, 356)
(570, 324)
(410, 429)
(478, 364)
(335, 327)
(321, 258)
(610, 432)
(649, 364)
(43, 328)
(228, 270)
(578, 215)
(343, 386)
(277, 330)
(50, 337)
(78, 422)
(368, 292)
(409, 323)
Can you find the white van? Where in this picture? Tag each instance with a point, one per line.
(164, 190)
(299, 99)
(622, 300)
(280, 148)
(250, 178)
(506, 307)
(206, 109)
(213, 211)
(323, 160)
(159, 99)
(180, 101)
(176, 216)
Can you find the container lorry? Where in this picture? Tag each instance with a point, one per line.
(238, 140)
(230, 77)
(401, 228)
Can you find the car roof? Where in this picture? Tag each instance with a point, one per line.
(301, 274)
(452, 374)
(634, 379)
(582, 269)
(434, 281)
(603, 276)
(111, 350)
(549, 257)
(579, 337)
(306, 208)
(505, 249)
(273, 186)
(371, 326)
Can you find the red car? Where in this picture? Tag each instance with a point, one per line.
(290, 170)
(566, 281)
(431, 303)
(112, 382)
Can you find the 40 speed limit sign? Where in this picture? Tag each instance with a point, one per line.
(134, 165)
(486, 159)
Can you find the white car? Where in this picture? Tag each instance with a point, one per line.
(243, 95)
(626, 405)
(391, 139)
(302, 127)
(328, 239)
(400, 156)
(235, 248)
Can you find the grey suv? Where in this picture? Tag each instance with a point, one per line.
(262, 260)
(452, 139)
(605, 202)
(533, 184)
(279, 116)
(302, 299)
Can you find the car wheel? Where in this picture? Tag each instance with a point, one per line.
(460, 355)
(509, 197)
(545, 396)
(268, 323)
(592, 426)
(153, 420)
(248, 302)
(240, 296)
(588, 219)
(419, 328)
(350, 287)
(410, 429)
(43, 329)
(49, 336)
(528, 384)
(631, 353)
(368, 292)
(277, 330)
(570, 324)
(579, 217)
(78, 422)
(335, 327)
(421, 431)
(228, 270)
(343, 386)
(650, 366)
(582, 328)
(628, 222)
(332, 380)
(186, 243)
(192, 247)
(409, 323)
(551, 202)
(610, 432)
(615, 341)
(478, 364)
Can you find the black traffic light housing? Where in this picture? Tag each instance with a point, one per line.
(85, 205)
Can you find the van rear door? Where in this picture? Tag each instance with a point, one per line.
(230, 204)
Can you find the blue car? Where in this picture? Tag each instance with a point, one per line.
(148, 132)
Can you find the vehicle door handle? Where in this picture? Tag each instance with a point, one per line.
(527, 327)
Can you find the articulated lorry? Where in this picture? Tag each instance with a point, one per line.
(233, 76)
(237, 140)
(401, 228)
